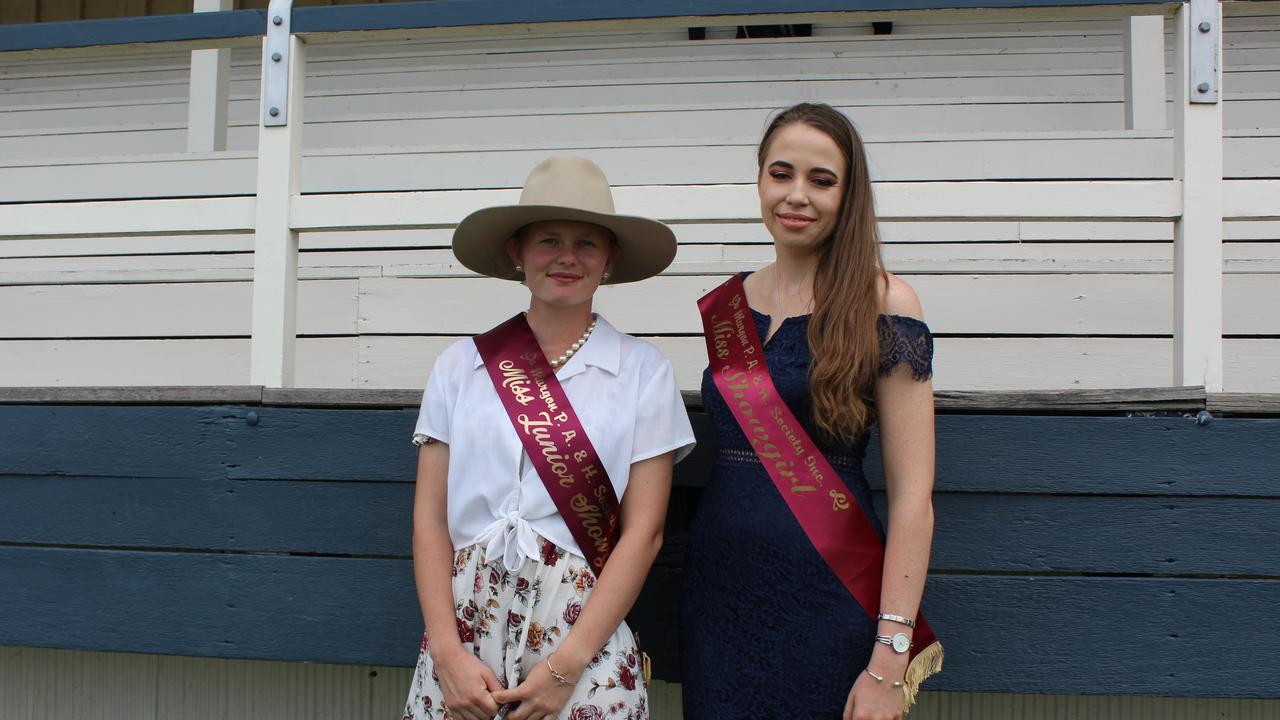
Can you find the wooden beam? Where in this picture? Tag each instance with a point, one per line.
(1197, 354)
(209, 91)
(127, 217)
(1144, 91)
(1044, 402)
(275, 254)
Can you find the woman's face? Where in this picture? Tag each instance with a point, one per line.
(801, 185)
(563, 260)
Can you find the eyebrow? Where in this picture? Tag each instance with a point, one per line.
(789, 166)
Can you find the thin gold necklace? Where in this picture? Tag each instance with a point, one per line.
(781, 309)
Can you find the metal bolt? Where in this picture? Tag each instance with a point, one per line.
(273, 112)
(277, 20)
(251, 418)
(1202, 88)
(1205, 26)
(1204, 417)
(275, 57)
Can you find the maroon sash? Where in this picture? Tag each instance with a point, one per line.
(553, 437)
(820, 501)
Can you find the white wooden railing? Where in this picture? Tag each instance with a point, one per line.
(1197, 199)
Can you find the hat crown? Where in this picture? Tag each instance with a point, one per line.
(572, 182)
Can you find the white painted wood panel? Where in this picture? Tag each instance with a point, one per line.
(965, 100)
(327, 307)
(954, 258)
(1026, 233)
(969, 304)
(322, 362)
(961, 363)
(1251, 365)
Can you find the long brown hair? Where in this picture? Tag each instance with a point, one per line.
(843, 334)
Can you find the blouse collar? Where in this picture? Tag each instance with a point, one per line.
(603, 350)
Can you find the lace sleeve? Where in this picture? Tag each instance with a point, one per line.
(906, 340)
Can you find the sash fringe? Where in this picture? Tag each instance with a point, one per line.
(927, 662)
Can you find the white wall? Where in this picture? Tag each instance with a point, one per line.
(1017, 305)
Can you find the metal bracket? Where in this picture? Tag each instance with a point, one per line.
(275, 61)
(1205, 37)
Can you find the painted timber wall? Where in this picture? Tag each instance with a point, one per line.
(1052, 302)
(1089, 554)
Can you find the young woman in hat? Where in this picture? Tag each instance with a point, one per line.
(796, 603)
(546, 447)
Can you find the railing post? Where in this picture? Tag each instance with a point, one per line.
(275, 245)
(1197, 287)
(1144, 88)
(207, 97)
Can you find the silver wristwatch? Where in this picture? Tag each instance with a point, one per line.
(898, 641)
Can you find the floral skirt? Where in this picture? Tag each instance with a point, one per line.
(512, 620)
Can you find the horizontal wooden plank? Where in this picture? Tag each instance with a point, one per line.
(213, 514)
(1025, 454)
(992, 304)
(134, 395)
(977, 200)
(960, 363)
(1251, 365)
(318, 20)
(137, 217)
(364, 611)
(1075, 400)
(114, 441)
(1016, 236)
(321, 362)
(1255, 199)
(1202, 536)
(1155, 456)
(1050, 533)
(1248, 263)
(325, 307)
(214, 605)
(974, 200)
(1244, 403)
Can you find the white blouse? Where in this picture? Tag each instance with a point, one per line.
(625, 394)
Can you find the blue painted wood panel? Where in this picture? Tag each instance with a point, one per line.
(994, 533)
(1151, 636)
(452, 13)
(1073, 554)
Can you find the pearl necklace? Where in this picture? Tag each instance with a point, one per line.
(575, 347)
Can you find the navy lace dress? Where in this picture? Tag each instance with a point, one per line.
(767, 630)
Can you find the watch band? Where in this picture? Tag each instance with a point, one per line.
(898, 646)
(896, 618)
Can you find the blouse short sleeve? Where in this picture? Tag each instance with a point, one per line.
(439, 397)
(662, 423)
(905, 340)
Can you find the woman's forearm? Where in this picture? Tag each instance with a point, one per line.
(643, 513)
(615, 592)
(906, 565)
(433, 550)
(906, 557)
(433, 575)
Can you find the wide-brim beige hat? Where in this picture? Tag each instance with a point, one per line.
(564, 188)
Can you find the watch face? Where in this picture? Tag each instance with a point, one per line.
(901, 643)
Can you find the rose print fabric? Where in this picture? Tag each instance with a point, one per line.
(512, 620)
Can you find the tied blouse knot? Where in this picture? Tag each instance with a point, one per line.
(624, 392)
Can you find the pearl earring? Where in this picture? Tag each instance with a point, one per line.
(604, 278)
(519, 268)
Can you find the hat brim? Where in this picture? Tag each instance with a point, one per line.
(645, 247)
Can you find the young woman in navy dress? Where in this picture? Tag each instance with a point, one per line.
(768, 630)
